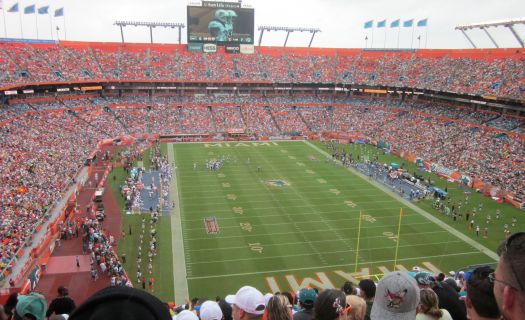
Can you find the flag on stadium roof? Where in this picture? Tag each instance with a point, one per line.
(408, 23)
(369, 24)
(381, 24)
(394, 24)
(422, 23)
(59, 12)
(43, 10)
(29, 9)
(14, 8)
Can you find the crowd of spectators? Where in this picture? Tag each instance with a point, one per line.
(43, 145)
(480, 74)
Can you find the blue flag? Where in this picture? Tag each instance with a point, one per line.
(369, 24)
(408, 23)
(394, 24)
(14, 8)
(381, 24)
(422, 23)
(43, 10)
(29, 9)
(59, 12)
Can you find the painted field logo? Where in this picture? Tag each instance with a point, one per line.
(278, 183)
(211, 225)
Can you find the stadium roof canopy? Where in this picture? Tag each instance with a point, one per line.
(509, 23)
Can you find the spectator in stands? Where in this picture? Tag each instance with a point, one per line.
(279, 308)
(121, 303)
(358, 307)
(428, 308)
(331, 305)
(210, 310)
(247, 304)
(368, 292)
(509, 288)
(31, 307)
(448, 298)
(307, 297)
(348, 288)
(397, 297)
(62, 304)
(186, 315)
(3, 315)
(10, 304)
(226, 309)
(480, 301)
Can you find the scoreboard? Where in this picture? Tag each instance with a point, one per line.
(222, 23)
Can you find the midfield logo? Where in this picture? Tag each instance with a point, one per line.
(278, 183)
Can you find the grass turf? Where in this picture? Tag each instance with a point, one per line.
(305, 231)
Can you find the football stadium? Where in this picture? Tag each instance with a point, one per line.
(219, 178)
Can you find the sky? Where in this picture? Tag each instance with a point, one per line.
(341, 21)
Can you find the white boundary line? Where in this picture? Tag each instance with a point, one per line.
(180, 281)
(491, 254)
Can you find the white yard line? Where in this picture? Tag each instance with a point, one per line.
(491, 254)
(180, 282)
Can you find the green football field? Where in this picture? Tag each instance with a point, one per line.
(287, 218)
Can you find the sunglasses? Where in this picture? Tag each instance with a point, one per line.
(508, 248)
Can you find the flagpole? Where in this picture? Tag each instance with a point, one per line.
(358, 240)
(384, 44)
(21, 28)
(397, 240)
(51, 25)
(398, 34)
(5, 25)
(36, 22)
(372, 41)
(412, 41)
(426, 36)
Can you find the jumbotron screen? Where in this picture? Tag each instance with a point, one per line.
(220, 25)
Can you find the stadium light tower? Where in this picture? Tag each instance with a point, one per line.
(288, 30)
(485, 25)
(150, 25)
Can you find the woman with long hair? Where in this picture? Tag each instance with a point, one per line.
(279, 308)
(429, 307)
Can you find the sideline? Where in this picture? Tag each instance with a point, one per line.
(491, 254)
(180, 282)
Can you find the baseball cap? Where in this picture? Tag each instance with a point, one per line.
(210, 310)
(307, 295)
(424, 278)
(186, 315)
(34, 304)
(452, 273)
(396, 298)
(248, 299)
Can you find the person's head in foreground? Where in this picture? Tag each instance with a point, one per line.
(429, 305)
(397, 297)
(331, 305)
(509, 277)
(121, 303)
(30, 307)
(247, 303)
(358, 307)
(278, 308)
(480, 300)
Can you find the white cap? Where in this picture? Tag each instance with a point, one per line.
(397, 297)
(248, 299)
(210, 310)
(267, 298)
(452, 273)
(186, 315)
